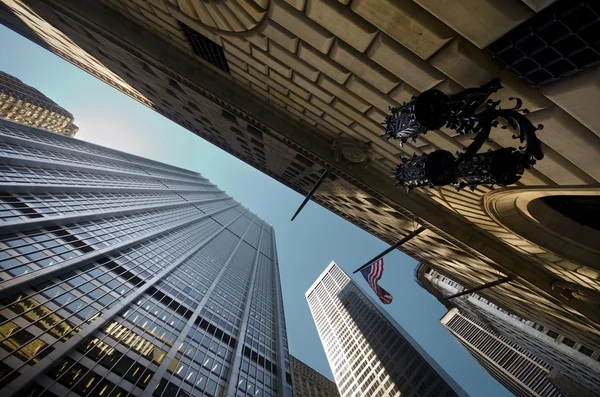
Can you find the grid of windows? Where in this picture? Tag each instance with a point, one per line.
(507, 361)
(216, 206)
(205, 48)
(24, 252)
(15, 174)
(260, 343)
(51, 140)
(556, 42)
(367, 353)
(25, 104)
(203, 361)
(16, 88)
(310, 383)
(61, 306)
(18, 151)
(570, 358)
(225, 217)
(21, 206)
(226, 303)
(155, 298)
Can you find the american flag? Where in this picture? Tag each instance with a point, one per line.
(372, 274)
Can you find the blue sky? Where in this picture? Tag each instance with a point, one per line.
(305, 247)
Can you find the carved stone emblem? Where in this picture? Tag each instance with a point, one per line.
(572, 290)
(352, 153)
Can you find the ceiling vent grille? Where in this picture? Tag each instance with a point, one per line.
(206, 48)
(560, 40)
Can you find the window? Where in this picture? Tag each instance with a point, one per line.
(228, 116)
(586, 350)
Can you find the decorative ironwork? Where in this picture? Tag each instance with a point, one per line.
(467, 112)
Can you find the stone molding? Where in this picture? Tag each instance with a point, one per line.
(520, 211)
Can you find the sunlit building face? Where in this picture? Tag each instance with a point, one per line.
(368, 352)
(24, 104)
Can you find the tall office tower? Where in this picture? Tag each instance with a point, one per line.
(310, 383)
(121, 276)
(519, 353)
(23, 103)
(368, 352)
(514, 367)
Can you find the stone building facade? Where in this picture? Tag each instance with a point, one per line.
(512, 366)
(310, 383)
(295, 86)
(24, 104)
(523, 355)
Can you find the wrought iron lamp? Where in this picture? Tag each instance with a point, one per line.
(467, 112)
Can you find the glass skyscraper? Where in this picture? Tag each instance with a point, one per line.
(368, 352)
(121, 276)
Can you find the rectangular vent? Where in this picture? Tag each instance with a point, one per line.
(304, 160)
(228, 116)
(558, 41)
(206, 48)
(257, 143)
(254, 131)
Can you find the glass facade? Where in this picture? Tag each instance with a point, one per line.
(369, 354)
(121, 276)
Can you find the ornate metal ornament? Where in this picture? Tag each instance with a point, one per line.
(467, 112)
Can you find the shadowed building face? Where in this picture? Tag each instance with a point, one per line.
(124, 276)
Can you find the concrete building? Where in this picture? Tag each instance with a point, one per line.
(310, 383)
(122, 276)
(493, 336)
(515, 368)
(24, 104)
(295, 86)
(368, 352)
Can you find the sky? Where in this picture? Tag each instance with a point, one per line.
(305, 247)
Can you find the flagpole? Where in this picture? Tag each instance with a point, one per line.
(309, 195)
(484, 286)
(393, 247)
